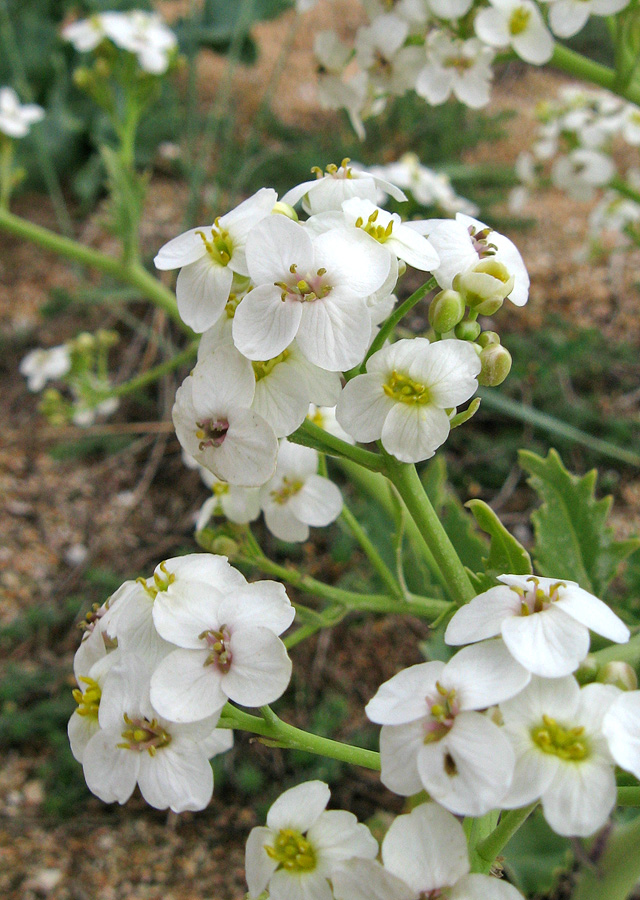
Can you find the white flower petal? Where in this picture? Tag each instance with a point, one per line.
(399, 748)
(110, 771)
(273, 246)
(580, 798)
(293, 886)
(299, 807)
(366, 879)
(177, 776)
(353, 259)
(337, 835)
(483, 616)
(412, 432)
(549, 643)
(621, 726)
(182, 250)
(258, 865)
(449, 369)
(317, 503)
(335, 331)
(402, 698)
(185, 689)
(263, 603)
(593, 613)
(260, 668)
(247, 456)
(483, 887)
(202, 290)
(363, 407)
(264, 325)
(181, 615)
(484, 674)
(283, 524)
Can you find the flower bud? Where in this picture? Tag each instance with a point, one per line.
(446, 310)
(488, 337)
(588, 670)
(496, 365)
(485, 285)
(620, 674)
(284, 209)
(467, 330)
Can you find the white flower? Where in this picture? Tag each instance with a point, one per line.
(146, 36)
(568, 17)
(424, 855)
(229, 648)
(621, 727)
(432, 736)
(16, 118)
(297, 497)
(215, 425)
(429, 188)
(449, 9)
(40, 366)
(403, 398)
(238, 504)
(461, 68)
(336, 184)
(561, 753)
(301, 845)
(379, 49)
(631, 125)
(544, 622)
(313, 289)
(414, 12)
(86, 34)
(463, 242)
(582, 170)
(85, 413)
(331, 53)
(209, 256)
(83, 723)
(518, 23)
(388, 230)
(134, 745)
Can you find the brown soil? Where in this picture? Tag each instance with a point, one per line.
(129, 509)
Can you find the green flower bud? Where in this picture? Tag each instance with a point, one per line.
(620, 674)
(83, 78)
(485, 285)
(284, 209)
(496, 365)
(467, 330)
(488, 337)
(446, 310)
(588, 670)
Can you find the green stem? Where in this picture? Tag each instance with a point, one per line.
(326, 619)
(489, 848)
(154, 374)
(616, 872)
(629, 796)
(311, 435)
(423, 607)
(396, 316)
(6, 170)
(621, 186)
(135, 275)
(629, 652)
(578, 65)
(280, 734)
(371, 552)
(405, 479)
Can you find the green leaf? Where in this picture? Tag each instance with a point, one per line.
(573, 539)
(536, 857)
(506, 556)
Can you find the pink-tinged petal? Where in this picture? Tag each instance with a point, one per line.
(593, 613)
(110, 771)
(483, 616)
(471, 768)
(353, 259)
(247, 456)
(580, 798)
(185, 689)
(399, 748)
(202, 290)
(317, 503)
(264, 324)
(483, 887)
(283, 524)
(621, 727)
(335, 331)
(403, 698)
(263, 603)
(427, 848)
(260, 669)
(412, 432)
(484, 674)
(258, 865)
(221, 380)
(363, 406)
(177, 776)
(549, 643)
(190, 609)
(182, 250)
(366, 879)
(299, 807)
(337, 835)
(449, 369)
(273, 246)
(292, 886)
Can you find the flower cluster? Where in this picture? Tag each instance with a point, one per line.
(17, 118)
(156, 665)
(427, 187)
(287, 306)
(575, 146)
(505, 722)
(142, 34)
(440, 48)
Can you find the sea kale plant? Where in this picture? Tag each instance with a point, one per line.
(294, 311)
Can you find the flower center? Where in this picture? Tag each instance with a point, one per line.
(460, 63)
(220, 488)
(443, 708)
(567, 743)
(377, 232)
(341, 171)
(289, 488)
(88, 700)
(217, 643)
(535, 600)
(161, 581)
(143, 734)
(262, 369)
(519, 20)
(306, 289)
(480, 242)
(220, 247)
(231, 305)
(211, 432)
(401, 387)
(292, 851)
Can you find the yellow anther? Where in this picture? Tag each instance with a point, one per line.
(519, 20)
(292, 851)
(401, 387)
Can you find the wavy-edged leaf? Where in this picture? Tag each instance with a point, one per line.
(573, 539)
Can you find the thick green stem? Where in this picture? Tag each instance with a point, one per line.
(134, 275)
(575, 64)
(617, 871)
(406, 481)
(489, 848)
(423, 607)
(371, 551)
(311, 435)
(280, 734)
